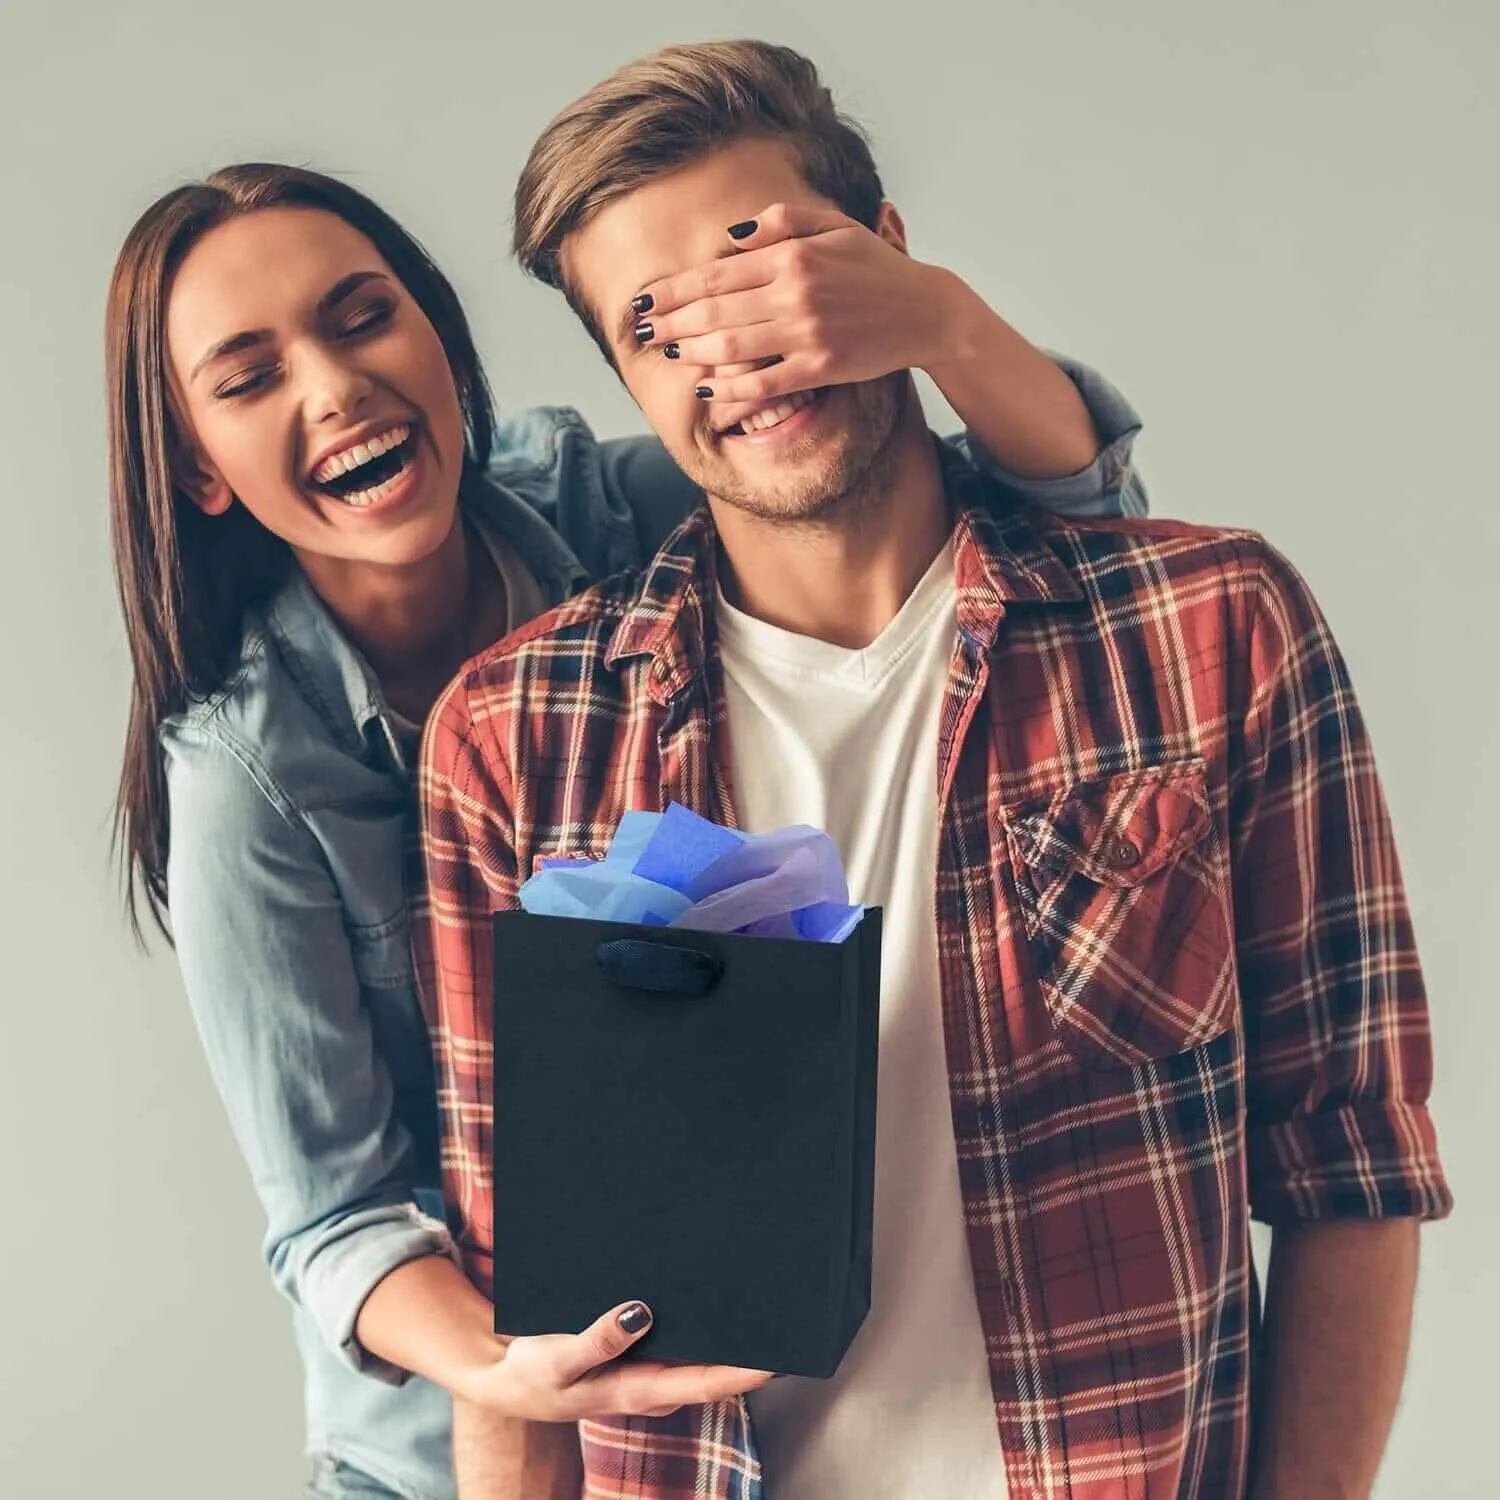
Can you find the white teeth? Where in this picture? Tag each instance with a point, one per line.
(772, 416)
(362, 499)
(361, 453)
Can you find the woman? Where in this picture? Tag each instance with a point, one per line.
(316, 519)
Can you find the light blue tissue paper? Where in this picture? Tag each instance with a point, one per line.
(603, 893)
(634, 832)
(677, 869)
(818, 866)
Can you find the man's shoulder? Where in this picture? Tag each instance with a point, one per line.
(1146, 535)
(580, 628)
(1133, 571)
(1116, 553)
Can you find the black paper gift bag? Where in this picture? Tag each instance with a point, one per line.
(687, 1118)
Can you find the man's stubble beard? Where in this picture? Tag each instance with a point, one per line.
(853, 483)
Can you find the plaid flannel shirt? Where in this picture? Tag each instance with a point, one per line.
(1179, 982)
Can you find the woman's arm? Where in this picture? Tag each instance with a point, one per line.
(639, 478)
(838, 304)
(269, 974)
(812, 298)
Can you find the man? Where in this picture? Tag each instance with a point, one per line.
(1148, 966)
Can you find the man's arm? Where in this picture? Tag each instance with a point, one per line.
(496, 1458)
(468, 870)
(1338, 1054)
(1336, 1333)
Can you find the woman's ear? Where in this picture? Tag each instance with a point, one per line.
(890, 228)
(205, 486)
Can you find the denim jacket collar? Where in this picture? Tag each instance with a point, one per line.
(334, 676)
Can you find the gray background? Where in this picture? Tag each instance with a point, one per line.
(1274, 226)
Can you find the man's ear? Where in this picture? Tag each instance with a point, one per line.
(205, 486)
(890, 228)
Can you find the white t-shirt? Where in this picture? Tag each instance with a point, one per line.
(847, 741)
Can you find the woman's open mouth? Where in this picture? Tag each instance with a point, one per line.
(367, 473)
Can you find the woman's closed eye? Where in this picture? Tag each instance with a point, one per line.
(245, 382)
(368, 319)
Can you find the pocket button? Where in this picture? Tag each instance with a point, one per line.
(1123, 855)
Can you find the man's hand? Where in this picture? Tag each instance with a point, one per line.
(564, 1377)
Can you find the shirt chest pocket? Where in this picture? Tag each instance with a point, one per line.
(1125, 901)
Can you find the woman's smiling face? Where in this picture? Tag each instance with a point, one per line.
(311, 388)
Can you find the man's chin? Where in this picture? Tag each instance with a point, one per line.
(804, 489)
(816, 464)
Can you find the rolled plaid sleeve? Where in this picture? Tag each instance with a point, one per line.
(1338, 1046)
(468, 871)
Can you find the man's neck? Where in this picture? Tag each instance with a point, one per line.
(843, 579)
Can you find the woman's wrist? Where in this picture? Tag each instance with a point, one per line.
(425, 1316)
(1024, 411)
(955, 313)
(472, 1375)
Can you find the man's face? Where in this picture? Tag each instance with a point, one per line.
(799, 469)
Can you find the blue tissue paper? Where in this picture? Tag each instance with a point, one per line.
(675, 869)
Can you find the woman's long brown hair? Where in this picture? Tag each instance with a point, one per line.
(186, 579)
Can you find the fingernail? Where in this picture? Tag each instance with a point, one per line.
(742, 230)
(703, 392)
(635, 1317)
(644, 333)
(644, 303)
(672, 351)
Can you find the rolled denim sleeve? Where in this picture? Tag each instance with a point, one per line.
(1110, 485)
(269, 973)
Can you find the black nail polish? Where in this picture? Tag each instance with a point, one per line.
(635, 1317)
(672, 351)
(643, 304)
(742, 230)
(703, 392)
(644, 333)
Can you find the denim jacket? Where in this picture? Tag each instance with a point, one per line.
(290, 792)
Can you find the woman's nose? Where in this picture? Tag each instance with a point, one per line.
(333, 387)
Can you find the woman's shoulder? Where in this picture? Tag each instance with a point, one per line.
(528, 442)
(611, 500)
(250, 677)
(285, 720)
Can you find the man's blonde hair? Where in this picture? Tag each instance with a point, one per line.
(664, 112)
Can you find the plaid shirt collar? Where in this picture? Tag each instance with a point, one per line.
(1001, 561)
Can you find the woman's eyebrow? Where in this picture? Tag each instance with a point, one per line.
(237, 343)
(346, 286)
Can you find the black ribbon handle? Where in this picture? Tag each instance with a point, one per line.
(663, 970)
